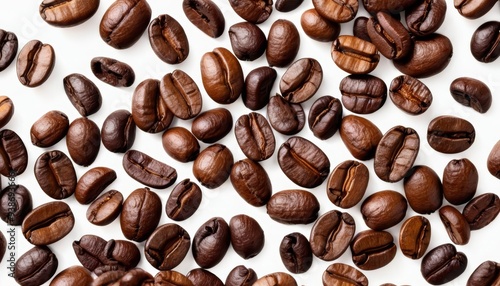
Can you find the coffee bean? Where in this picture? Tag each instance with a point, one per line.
(389, 36)
(180, 144)
(205, 15)
(82, 93)
(118, 131)
(325, 117)
(14, 156)
(276, 278)
(35, 63)
(347, 183)
(168, 39)
(247, 237)
(483, 42)
(493, 161)
(124, 22)
(241, 276)
(122, 254)
(301, 80)
(171, 277)
(319, 28)
(74, 275)
(8, 48)
(372, 249)
(471, 92)
(247, 41)
(147, 170)
(211, 242)
(108, 278)
(363, 94)
(136, 276)
(359, 28)
(473, 9)
(167, 246)
(287, 5)
(255, 136)
(423, 189)
(481, 210)
(55, 174)
(391, 6)
(92, 183)
(460, 180)
(296, 253)
(258, 85)
(48, 223)
(384, 209)
(15, 203)
(293, 207)
(443, 264)
(212, 125)
(251, 182)
(67, 13)
(331, 235)
(425, 17)
(455, 224)
(83, 141)
(338, 274)
(213, 166)
(36, 266)
(410, 94)
(449, 134)
(339, 12)
(283, 42)
(485, 274)
(253, 11)
(6, 110)
(89, 250)
(181, 94)
(354, 55)
(414, 237)
(183, 201)
(200, 276)
(112, 72)
(285, 117)
(360, 136)
(106, 208)
(49, 129)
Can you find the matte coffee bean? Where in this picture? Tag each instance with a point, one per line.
(92, 183)
(171, 277)
(303, 163)
(347, 183)
(48, 223)
(183, 201)
(124, 22)
(213, 166)
(449, 134)
(67, 13)
(200, 276)
(276, 278)
(15, 203)
(147, 170)
(212, 125)
(460, 179)
(481, 210)
(410, 94)
(363, 94)
(360, 136)
(35, 63)
(293, 207)
(247, 237)
(180, 144)
(317, 27)
(372, 249)
(13, 154)
(168, 39)
(82, 93)
(340, 274)
(181, 94)
(301, 80)
(285, 117)
(331, 235)
(106, 208)
(255, 136)
(473, 9)
(55, 174)
(493, 161)
(414, 237)
(423, 189)
(241, 276)
(6, 110)
(36, 266)
(211, 242)
(83, 141)
(455, 224)
(295, 252)
(283, 42)
(247, 41)
(74, 275)
(118, 131)
(112, 71)
(384, 209)
(389, 36)
(483, 44)
(258, 85)
(443, 264)
(253, 11)
(425, 17)
(359, 28)
(471, 92)
(205, 15)
(251, 182)
(287, 5)
(8, 48)
(325, 117)
(392, 6)
(354, 55)
(49, 129)
(167, 246)
(487, 273)
(339, 12)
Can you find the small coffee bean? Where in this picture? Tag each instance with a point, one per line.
(293, 207)
(241, 276)
(354, 55)
(493, 161)
(213, 166)
(171, 277)
(390, 6)
(55, 174)
(83, 141)
(147, 170)
(36, 266)
(372, 249)
(425, 17)
(82, 93)
(247, 41)
(483, 44)
(13, 154)
(106, 208)
(74, 275)
(287, 5)
(35, 63)
(251, 182)
(200, 276)
(276, 278)
(253, 11)
(112, 72)
(301, 80)
(212, 125)
(487, 273)
(180, 144)
(168, 39)
(389, 36)
(331, 234)
(167, 246)
(449, 134)
(285, 117)
(283, 42)
(15, 203)
(118, 131)
(383, 209)
(8, 48)
(258, 85)
(359, 28)
(410, 94)
(423, 189)
(181, 94)
(6, 110)
(347, 183)
(92, 183)
(67, 13)
(339, 12)
(460, 179)
(255, 136)
(363, 94)
(473, 9)
(183, 201)
(247, 237)
(443, 264)
(48, 223)
(325, 117)
(295, 252)
(205, 15)
(339, 274)
(319, 28)
(471, 92)
(49, 129)
(211, 242)
(455, 224)
(481, 210)
(414, 237)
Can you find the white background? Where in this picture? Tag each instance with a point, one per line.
(76, 46)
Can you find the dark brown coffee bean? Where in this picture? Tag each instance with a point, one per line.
(425, 17)
(6, 110)
(487, 273)
(473, 9)
(460, 180)
(363, 94)
(247, 237)
(360, 136)
(83, 141)
(392, 6)
(455, 224)
(183, 201)
(180, 144)
(410, 94)
(200, 276)
(8, 48)
(211, 242)
(241, 276)
(303, 163)
(118, 131)
(339, 12)
(293, 207)
(35, 63)
(285, 117)
(122, 254)
(389, 36)
(340, 274)
(471, 92)
(181, 94)
(423, 189)
(443, 264)
(414, 237)
(212, 125)
(15, 204)
(483, 44)
(383, 209)
(255, 136)
(167, 246)
(14, 156)
(205, 15)
(295, 252)
(449, 134)
(253, 11)
(396, 153)
(55, 174)
(48, 223)
(213, 166)
(359, 28)
(347, 183)
(124, 22)
(168, 39)
(283, 42)
(247, 41)
(372, 249)
(287, 5)
(67, 13)
(493, 161)
(354, 55)
(112, 72)
(258, 85)
(106, 208)
(171, 277)
(319, 28)
(325, 117)
(74, 275)
(49, 129)
(92, 183)
(301, 80)
(276, 278)
(82, 93)
(89, 250)
(481, 210)
(140, 214)
(251, 182)
(331, 235)
(36, 266)
(147, 170)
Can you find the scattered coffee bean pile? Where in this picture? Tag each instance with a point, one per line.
(249, 142)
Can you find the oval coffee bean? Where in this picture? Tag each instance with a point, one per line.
(251, 182)
(6, 110)
(67, 13)
(212, 125)
(425, 17)
(354, 55)
(205, 15)
(283, 42)
(211, 242)
(372, 249)
(460, 179)
(296, 253)
(423, 189)
(83, 141)
(414, 237)
(247, 237)
(339, 12)
(181, 94)
(443, 264)
(35, 63)
(92, 183)
(8, 48)
(15, 203)
(118, 131)
(13, 154)
(317, 27)
(331, 235)
(471, 92)
(258, 85)
(389, 36)
(287, 5)
(247, 41)
(363, 94)
(301, 80)
(484, 42)
(449, 134)
(147, 170)
(106, 208)
(241, 276)
(136, 276)
(391, 6)
(493, 161)
(383, 209)
(213, 166)
(200, 276)
(167, 246)
(183, 201)
(49, 129)
(360, 136)
(48, 223)
(325, 117)
(74, 275)
(112, 72)
(180, 144)
(410, 94)
(36, 266)
(481, 210)
(255, 136)
(485, 274)
(455, 224)
(293, 207)
(171, 277)
(473, 9)
(285, 117)
(82, 93)
(55, 174)
(276, 278)
(120, 255)
(89, 250)
(347, 183)
(253, 11)
(168, 39)
(359, 28)
(340, 274)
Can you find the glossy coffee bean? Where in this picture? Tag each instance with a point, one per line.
(213, 166)
(443, 264)
(247, 41)
(423, 189)
(493, 161)
(283, 43)
(481, 210)
(372, 249)
(108, 277)
(8, 48)
(276, 278)
(363, 94)
(471, 92)
(48, 223)
(293, 207)
(251, 182)
(287, 5)
(295, 252)
(74, 275)
(15, 203)
(383, 209)
(13, 154)
(180, 144)
(89, 250)
(106, 208)
(410, 94)
(449, 134)
(118, 131)
(285, 117)
(212, 125)
(253, 11)
(112, 71)
(347, 183)
(6, 110)
(247, 236)
(414, 237)
(35, 63)
(255, 136)
(136, 276)
(183, 201)
(455, 224)
(49, 129)
(241, 276)
(82, 93)
(425, 17)
(36, 266)
(211, 242)
(360, 136)
(325, 117)
(483, 42)
(301, 80)
(200, 276)
(83, 141)
(487, 273)
(168, 39)
(339, 12)
(473, 9)
(167, 246)
(55, 174)
(359, 28)
(460, 179)
(258, 85)
(92, 183)
(181, 94)
(392, 6)
(340, 274)
(205, 15)
(319, 28)
(389, 36)
(354, 55)
(147, 170)
(67, 13)
(331, 234)
(171, 277)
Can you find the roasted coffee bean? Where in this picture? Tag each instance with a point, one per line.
(483, 44)
(396, 153)
(354, 55)
(200, 276)
(89, 250)
(317, 27)
(183, 201)
(171, 277)
(471, 92)
(211, 242)
(247, 41)
(301, 80)
(340, 274)
(92, 183)
(118, 131)
(181, 94)
(15, 204)
(147, 170)
(106, 208)
(212, 125)
(205, 15)
(359, 28)
(392, 6)
(430, 55)
(247, 237)
(48, 223)
(372, 249)
(285, 117)
(383, 209)
(360, 136)
(6, 110)
(460, 180)
(347, 183)
(325, 117)
(473, 9)
(410, 94)
(481, 210)
(287, 5)
(122, 254)
(251, 182)
(339, 12)
(8, 48)
(167, 246)
(82, 93)
(414, 237)
(55, 174)
(168, 39)
(140, 214)
(303, 163)
(255, 136)
(124, 22)
(213, 166)
(36, 266)
(276, 278)
(67, 13)
(425, 17)
(389, 36)
(149, 110)
(363, 94)
(295, 252)
(35, 63)
(293, 207)
(83, 141)
(74, 275)
(49, 129)
(283, 42)
(112, 72)
(449, 134)
(258, 85)
(331, 235)
(253, 11)
(241, 276)
(423, 189)
(14, 156)
(487, 273)
(455, 224)
(136, 276)
(180, 144)
(493, 161)
(443, 264)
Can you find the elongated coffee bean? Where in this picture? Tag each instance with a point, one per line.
(255, 136)
(410, 94)
(82, 93)
(168, 39)
(35, 63)
(360, 136)
(331, 235)
(285, 117)
(67, 13)
(423, 200)
(414, 237)
(389, 36)
(167, 246)
(36, 266)
(55, 174)
(205, 15)
(258, 85)
(8, 46)
(449, 134)
(460, 179)
(301, 80)
(92, 183)
(13, 154)
(339, 12)
(339, 274)
(105, 208)
(456, 225)
(181, 94)
(118, 131)
(293, 207)
(482, 210)
(483, 44)
(325, 117)
(183, 201)
(443, 264)
(251, 182)
(147, 170)
(49, 129)
(48, 223)
(211, 242)
(112, 71)
(83, 141)
(354, 55)
(15, 203)
(283, 43)
(295, 252)
(471, 92)
(347, 183)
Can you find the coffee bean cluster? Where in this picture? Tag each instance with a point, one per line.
(277, 175)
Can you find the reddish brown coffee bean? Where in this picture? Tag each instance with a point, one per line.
(383, 209)
(13, 154)
(255, 136)
(106, 208)
(410, 94)
(83, 94)
(180, 144)
(168, 39)
(83, 141)
(455, 224)
(241, 276)
(285, 117)
(212, 125)
(92, 183)
(471, 92)
(213, 166)
(293, 207)
(473, 9)
(247, 41)
(347, 183)
(200, 276)
(389, 36)
(112, 72)
(118, 131)
(251, 182)
(167, 246)
(493, 161)
(354, 55)
(301, 80)
(35, 63)
(183, 201)
(296, 253)
(247, 236)
(372, 249)
(67, 13)
(415, 236)
(55, 174)
(48, 223)
(74, 275)
(6, 110)
(147, 170)
(253, 11)
(460, 180)
(481, 210)
(181, 94)
(449, 134)
(283, 42)
(171, 277)
(331, 235)
(49, 129)
(258, 85)
(205, 15)
(319, 28)
(211, 242)
(423, 189)
(360, 136)
(339, 12)
(340, 274)
(363, 94)
(276, 278)
(325, 117)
